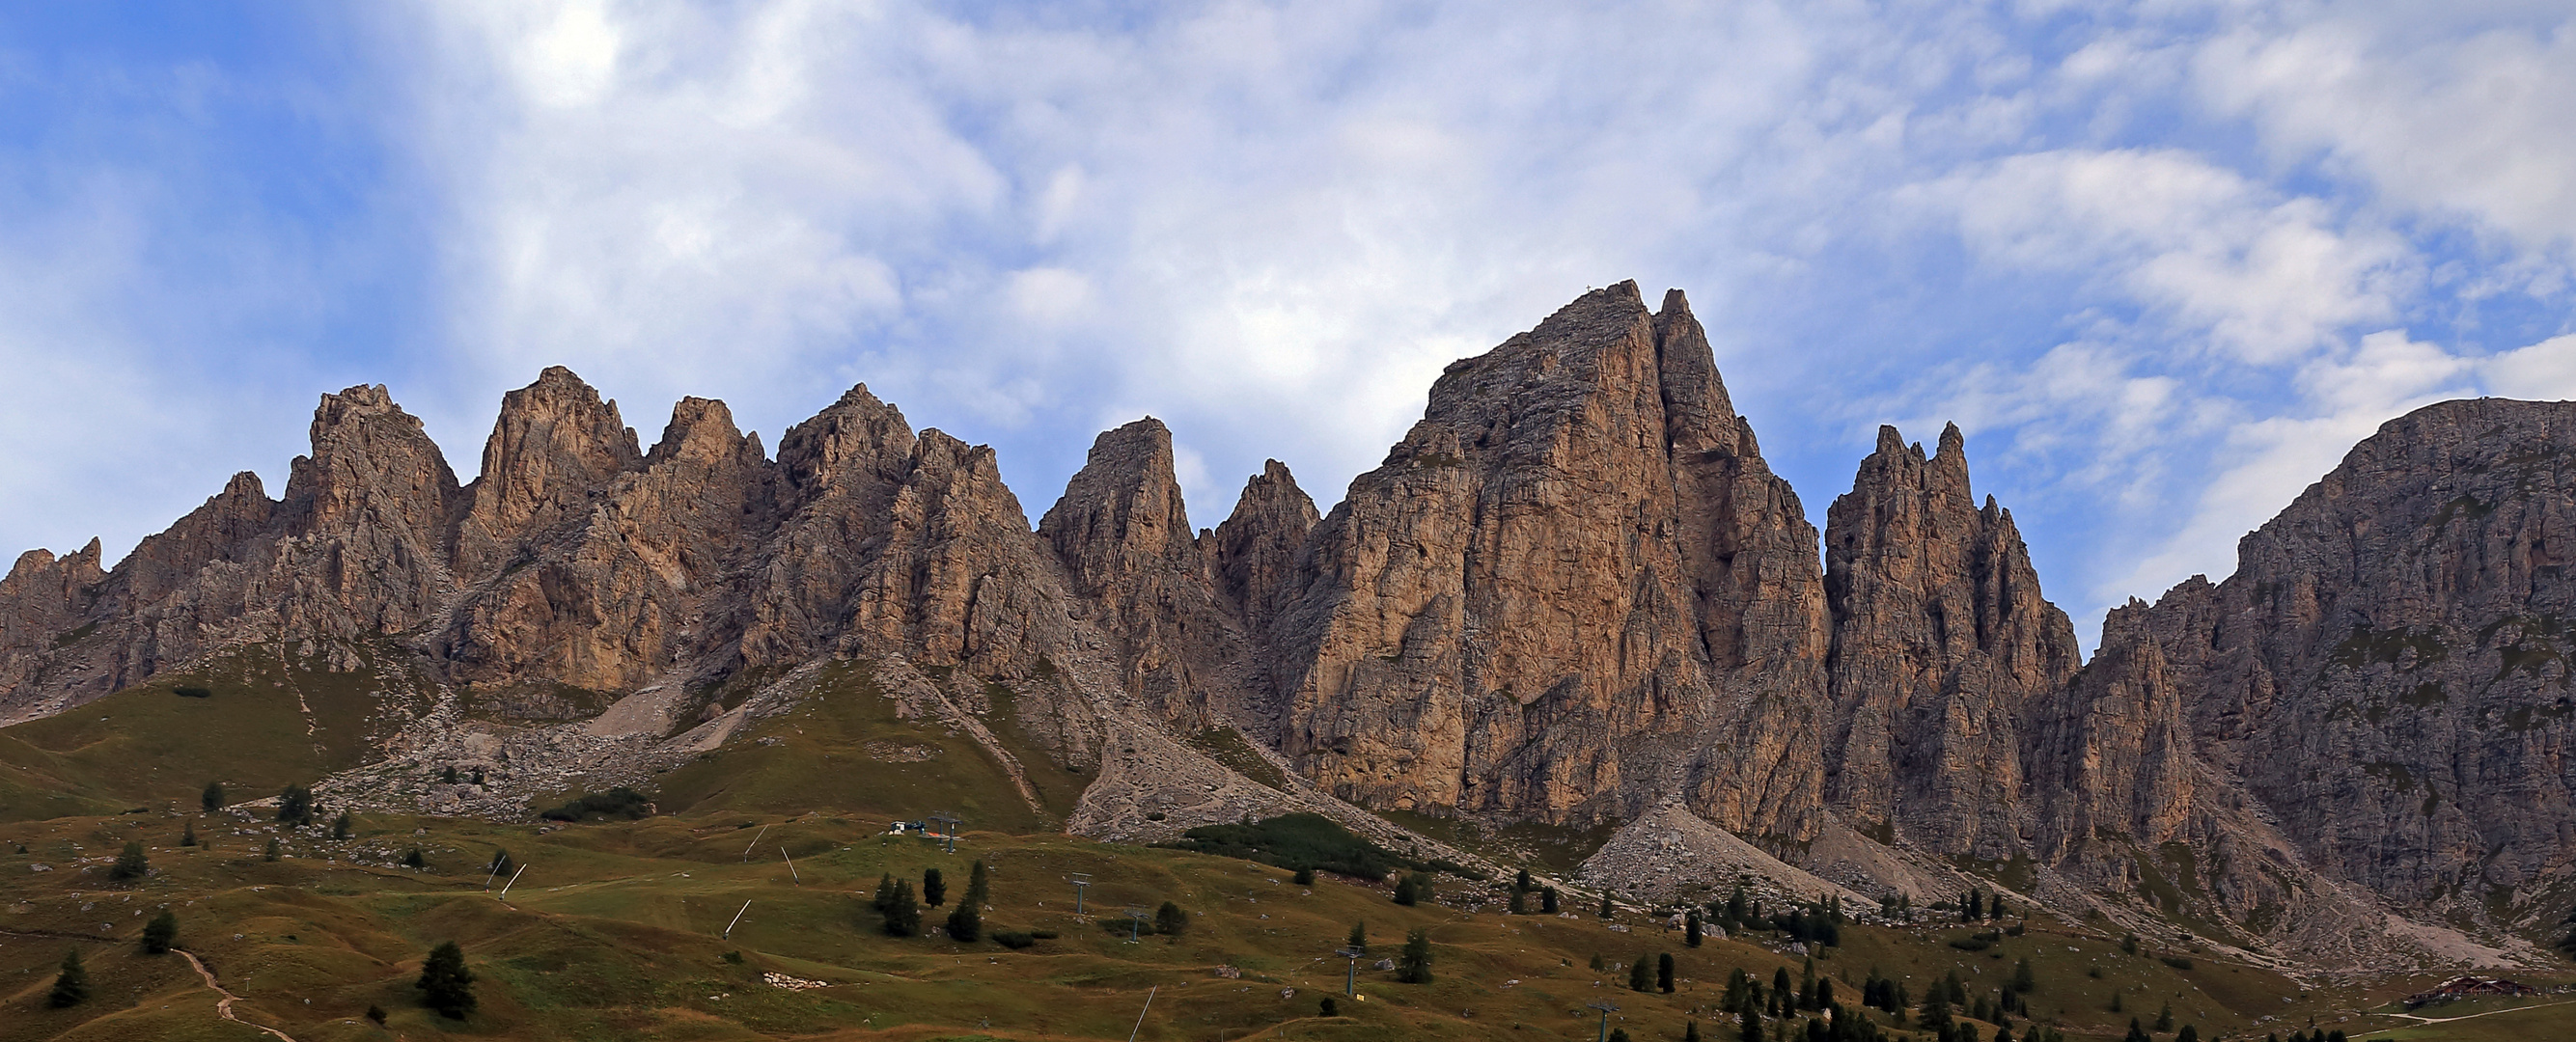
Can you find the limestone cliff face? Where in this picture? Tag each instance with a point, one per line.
(1549, 602)
(2387, 671)
(1940, 641)
(554, 449)
(43, 602)
(1255, 550)
(1140, 575)
(606, 571)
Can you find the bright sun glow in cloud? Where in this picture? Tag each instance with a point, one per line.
(2163, 263)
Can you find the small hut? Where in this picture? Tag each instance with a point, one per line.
(2468, 986)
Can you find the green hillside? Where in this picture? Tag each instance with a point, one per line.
(615, 931)
(266, 719)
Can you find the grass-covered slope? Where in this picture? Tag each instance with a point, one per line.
(266, 718)
(846, 750)
(614, 931)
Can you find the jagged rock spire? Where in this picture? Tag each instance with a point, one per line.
(1940, 638)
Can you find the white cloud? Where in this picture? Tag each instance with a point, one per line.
(2459, 110)
(2545, 371)
(2342, 399)
(2267, 278)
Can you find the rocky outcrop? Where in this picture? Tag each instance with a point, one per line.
(1139, 574)
(639, 580)
(1940, 641)
(1561, 594)
(363, 528)
(553, 451)
(2387, 671)
(1255, 550)
(43, 603)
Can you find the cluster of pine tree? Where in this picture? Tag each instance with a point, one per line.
(1523, 886)
(1815, 922)
(1413, 889)
(1651, 974)
(1831, 1021)
(1979, 907)
(899, 909)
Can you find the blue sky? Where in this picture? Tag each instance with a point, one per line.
(2163, 262)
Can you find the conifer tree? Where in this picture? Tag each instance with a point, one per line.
(2164, 1018)
(1690, 1031)
(1304, 877)
(188, 833)
(160, 933)
(2022, 980)
(295, 805)
(885, 894)
(340, 826)
(2191, 1033)
(445, 984)
(1519, 904)
(1170, 920)
(270, 854)
(934, 888)
(1780, 984)
(1752, 1024)
(413, 858)
(979, 885)
(1547, 901)
(130, 865)
(1522, 883)
(903, 913)
(212, 797)
(1664, 973)
(1640, 974)
(966, 923)
(1606, 910)
(71, 986)
(1691, 928)
(1358, 939)
(2136, 1033)
(1414, 967)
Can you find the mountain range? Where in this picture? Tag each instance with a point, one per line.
(1573, 601)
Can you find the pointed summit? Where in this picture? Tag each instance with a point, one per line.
(553, 450)
(1940, 637)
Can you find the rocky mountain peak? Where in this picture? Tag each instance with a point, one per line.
(1121, 515)
(1123, 535)
(702, 430)
(1555, 599)
(371, 466)
(1255, 550)
(857, 434)
(1940, 636)
(553, 450)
